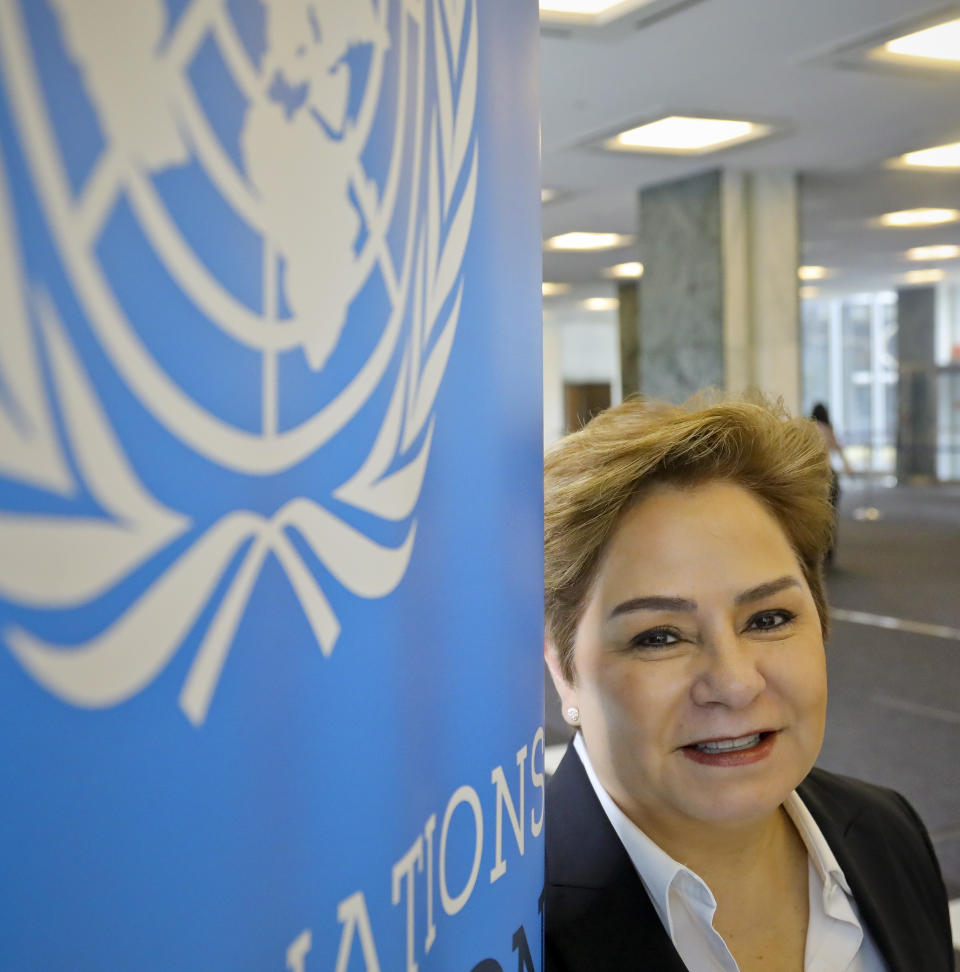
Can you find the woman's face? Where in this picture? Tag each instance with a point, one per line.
(700, 673)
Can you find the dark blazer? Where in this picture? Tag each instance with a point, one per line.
(599, 918)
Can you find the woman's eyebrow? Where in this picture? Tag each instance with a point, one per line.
(653, 603)
(761, 591)
(665, 603)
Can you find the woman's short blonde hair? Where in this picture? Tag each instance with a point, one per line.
(593, 476)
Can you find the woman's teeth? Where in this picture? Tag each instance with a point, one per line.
(729, 745)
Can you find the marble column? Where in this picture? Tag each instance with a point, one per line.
(719, 305)
(916, 392)
(628, 295)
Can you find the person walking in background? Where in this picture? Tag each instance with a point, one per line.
(821, 416)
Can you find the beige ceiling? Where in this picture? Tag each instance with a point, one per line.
(795, 63)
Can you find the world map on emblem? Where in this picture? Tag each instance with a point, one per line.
(258, 212)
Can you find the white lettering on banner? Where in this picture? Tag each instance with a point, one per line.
(537, 825)
(352, 912)
(516, 820)
(464, 794)
(404, 867)
(431, 924)
(297, 952)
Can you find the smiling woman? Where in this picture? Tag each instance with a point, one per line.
(703, 653)
(686, 826)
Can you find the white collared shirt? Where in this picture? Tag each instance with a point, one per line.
(836, 939)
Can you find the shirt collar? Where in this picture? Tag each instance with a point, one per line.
(821, 857)
(834, 928)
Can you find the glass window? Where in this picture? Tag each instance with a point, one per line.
(948, 423)
(850, 364)
(816, 353)
(887, 374)
(857, 372)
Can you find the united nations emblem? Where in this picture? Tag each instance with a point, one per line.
(169, 148)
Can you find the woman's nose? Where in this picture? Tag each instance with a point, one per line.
(730, 675)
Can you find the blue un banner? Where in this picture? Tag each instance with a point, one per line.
(270, 519)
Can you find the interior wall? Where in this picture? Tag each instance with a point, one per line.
(578, 347)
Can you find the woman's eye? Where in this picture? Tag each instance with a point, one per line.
(768, 620)
(655, 638)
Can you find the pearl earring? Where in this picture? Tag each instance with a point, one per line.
(573, 714)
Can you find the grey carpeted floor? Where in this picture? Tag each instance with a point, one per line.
(894, 712)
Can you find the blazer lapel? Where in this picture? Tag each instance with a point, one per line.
(598, 914)
(890, 911)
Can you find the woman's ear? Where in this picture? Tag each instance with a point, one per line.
(566, 690)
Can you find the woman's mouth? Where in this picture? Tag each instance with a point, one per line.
(733, 751)
(728, 745)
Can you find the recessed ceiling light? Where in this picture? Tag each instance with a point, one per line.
(945, 252)
(939, 43)
(807, 292)
(686, 134)
(920, 217)
(625, 271)
(813, 273)
(938, 157)
(601, 303)
(554, 289)
(587, 241)
(587, 8)
(587, 11)
(930, 275)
